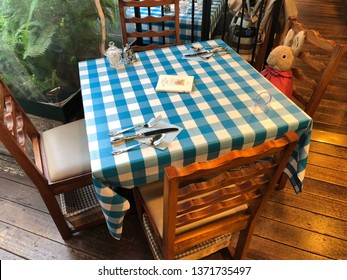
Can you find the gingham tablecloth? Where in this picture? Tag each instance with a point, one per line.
(216, 116)
(186, 21)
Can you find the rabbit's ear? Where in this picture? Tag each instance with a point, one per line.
(298, 42)
(288, 40)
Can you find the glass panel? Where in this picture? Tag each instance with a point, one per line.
(42, 41)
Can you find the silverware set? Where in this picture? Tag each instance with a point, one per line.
(157, 135)
(154, 141)
(142, 135)
(207, 52)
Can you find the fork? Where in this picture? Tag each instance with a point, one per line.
(152, 122)
(154, 141)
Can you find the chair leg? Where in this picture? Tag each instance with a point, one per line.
(59, 220)
(56, 214)
(282, 182)
(138, 204)
(240, 252)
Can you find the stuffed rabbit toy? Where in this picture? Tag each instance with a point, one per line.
(281, 60)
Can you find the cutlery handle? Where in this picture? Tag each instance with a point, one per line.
(125, 130)
(196, 53)
(123, 138)
(117, 152)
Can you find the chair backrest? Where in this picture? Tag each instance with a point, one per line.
(199, 198)
(149, 23)
(315, 66)
(19, 135)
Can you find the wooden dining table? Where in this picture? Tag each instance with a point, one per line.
(217, 116)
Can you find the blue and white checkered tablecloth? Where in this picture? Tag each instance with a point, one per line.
(216, 116)
(186, 21)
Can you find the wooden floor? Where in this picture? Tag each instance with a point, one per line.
(312, 225)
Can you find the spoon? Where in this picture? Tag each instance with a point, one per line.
(154, 141)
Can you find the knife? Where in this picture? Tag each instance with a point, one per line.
(144, 134)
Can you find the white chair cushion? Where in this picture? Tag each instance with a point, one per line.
(152, 194)
(66, 149)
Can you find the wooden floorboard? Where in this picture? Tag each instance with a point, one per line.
(301, 239)
(313, 203)
(267, 249)
(4, 255)
(311, 225)
(307, 226)
(315, 222)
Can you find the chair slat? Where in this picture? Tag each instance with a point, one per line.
(215, 209)
(222, 194)
(21, 133)
(9, 115)
(312, 36)
(150, 47)
(151, 34)
(311, 61)
(225, 179)
(150, 19)
(300, 75)
(147, 3)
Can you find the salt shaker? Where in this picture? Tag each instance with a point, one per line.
(113, 54)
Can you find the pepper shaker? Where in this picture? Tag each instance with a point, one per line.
(129, 55)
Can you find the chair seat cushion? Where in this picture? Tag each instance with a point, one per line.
(152, 195)
(66, 149)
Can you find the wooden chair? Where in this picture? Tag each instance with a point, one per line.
(322, 58)
(195, 210)
(57, 162)
(147, 36)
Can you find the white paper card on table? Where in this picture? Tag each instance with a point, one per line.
(175, 83)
